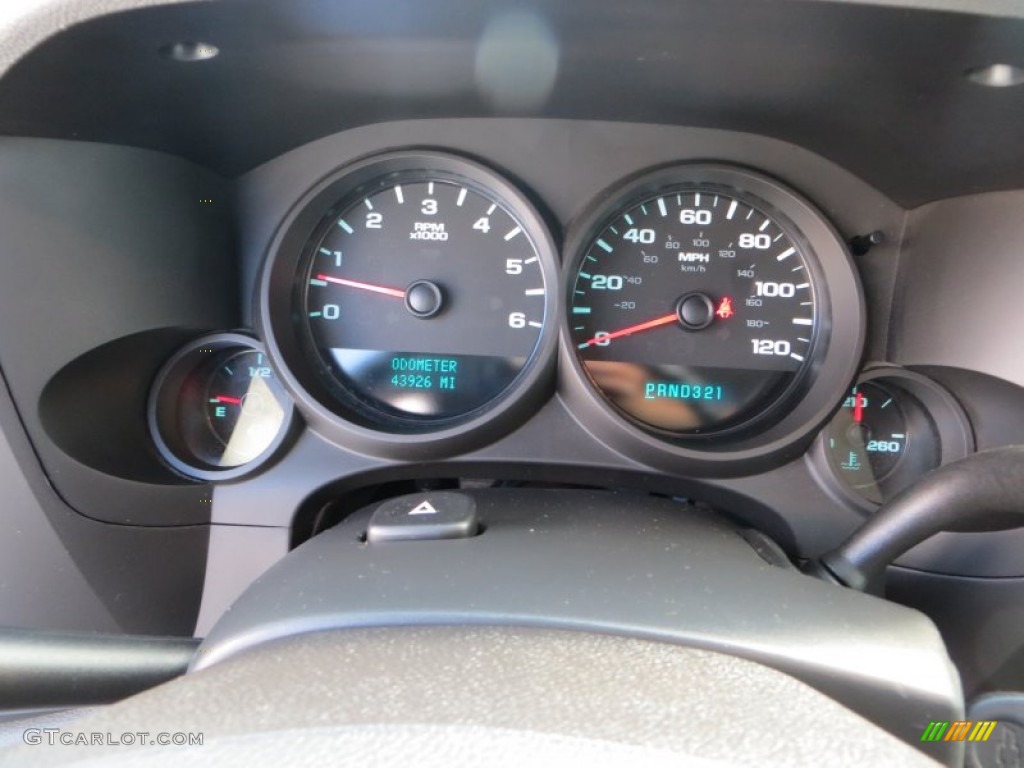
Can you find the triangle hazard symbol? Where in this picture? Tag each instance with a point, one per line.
(425, 508)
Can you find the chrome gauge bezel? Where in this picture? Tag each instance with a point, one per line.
(289, 349)
(165, 389)
(952, 430)
(808, 403)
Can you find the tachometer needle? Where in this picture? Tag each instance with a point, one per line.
(229, 400)
(663, 320)
(397, 293)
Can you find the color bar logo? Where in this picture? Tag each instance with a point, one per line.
(959, 730)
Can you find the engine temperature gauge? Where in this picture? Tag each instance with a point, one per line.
(892, 427)
(870, 436)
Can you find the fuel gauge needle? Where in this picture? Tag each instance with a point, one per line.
(397, 293)
(228, 400)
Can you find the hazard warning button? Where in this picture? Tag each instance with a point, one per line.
(435, 515)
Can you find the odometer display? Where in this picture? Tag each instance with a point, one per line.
(693, 309)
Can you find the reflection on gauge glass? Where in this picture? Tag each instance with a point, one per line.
(696, 308)
(421, 296)
(244, 409)
(881, 440)
(217, 408)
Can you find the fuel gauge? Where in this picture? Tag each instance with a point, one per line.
(217, 410)
(244, 409)
(892, 427)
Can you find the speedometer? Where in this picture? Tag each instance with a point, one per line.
(698, 307)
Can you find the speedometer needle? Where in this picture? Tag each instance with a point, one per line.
(604, 337)
(397, 293)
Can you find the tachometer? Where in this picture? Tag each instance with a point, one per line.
(420, 294)
(699, 304)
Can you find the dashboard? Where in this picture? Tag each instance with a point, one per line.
(310, 257)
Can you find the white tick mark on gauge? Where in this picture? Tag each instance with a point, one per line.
(802, 321)
(732, 209)
(344, 225)
(778, 237)
(462, 197)
(604, 246)
(399, 195)
(750, 214)
(534, 324)
(430, 188)
(491, 209)
(764, 226)
(696, 200)
(534, 291)
(530, 260)
(661, 206)
(513, 233)
(368, 203)
(786, 254)
(798, 358)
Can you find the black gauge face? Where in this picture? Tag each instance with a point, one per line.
(694, 310)
(217, 408)
(422, 298)
(243, 408)
(881, 441)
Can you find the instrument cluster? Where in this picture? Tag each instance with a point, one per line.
(698, 317)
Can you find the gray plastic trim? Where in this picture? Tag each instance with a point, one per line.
(958, 302)
(617, 563)
(61, 570)
(129, 247)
